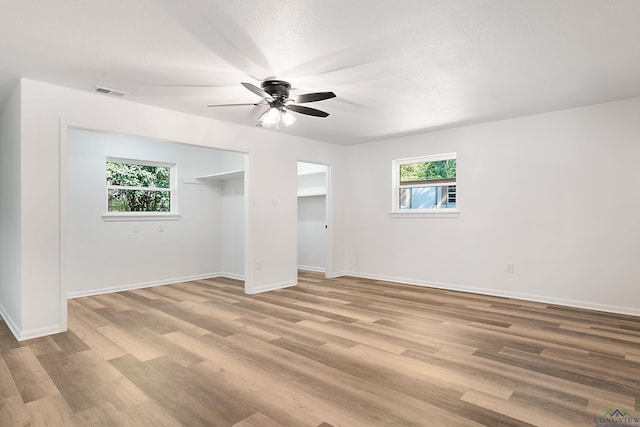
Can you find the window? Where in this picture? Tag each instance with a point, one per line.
(425, 184)
(136, 187)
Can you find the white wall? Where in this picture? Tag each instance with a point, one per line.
(10, 259)
(554, 194)
(47, 110)
(233, 236)
(231, 161)
(311, 184)
(232, 228)
(105, 256)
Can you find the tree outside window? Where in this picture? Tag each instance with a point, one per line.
(138, 187)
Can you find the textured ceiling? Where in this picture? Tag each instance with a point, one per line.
(397, 67)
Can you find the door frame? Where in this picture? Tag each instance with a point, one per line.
(328, 273)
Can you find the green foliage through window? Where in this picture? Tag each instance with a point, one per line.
(136, 187)
(428, 171)
(425, 184)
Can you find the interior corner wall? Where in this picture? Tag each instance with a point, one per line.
(232, 228)
(232, 233)
(107, 256)
(10, 260)
(271, 207)
(553, 194)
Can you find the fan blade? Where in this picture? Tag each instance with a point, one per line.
(313, 97)
(255, 89)
(306, 110)
(232, 105)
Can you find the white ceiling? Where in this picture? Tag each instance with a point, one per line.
(397, 68)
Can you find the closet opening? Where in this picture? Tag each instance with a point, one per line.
(313, 235)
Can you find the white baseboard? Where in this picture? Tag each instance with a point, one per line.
(232, 276)
(271, 287)
(500, 293)
(40, 332)
(132, 286)
(336, 274)
(11, 324)
(30, 333)
(310, 268)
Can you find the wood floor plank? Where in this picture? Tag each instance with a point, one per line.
(320, 311)
(7, 385)
(88, 302)
(89, 316)
(30, 378)
(87, 381)
(132, 344)
(283, 328)
(50, 411)
(122, 301)
(69, 342)
(257, 420)
(13, 412)
(327, 352)
(174, 293)
(99, 343)
(168, 390)
(100, 415)
(348, 333)
(527, 414)
(148, 414)
(44, 345)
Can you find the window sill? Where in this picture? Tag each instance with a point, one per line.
(426, 213)
(140, 216)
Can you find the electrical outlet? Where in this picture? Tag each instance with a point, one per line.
(136, 228)
(160, 229)
(356, 258)
(258, 265)
(510, 268)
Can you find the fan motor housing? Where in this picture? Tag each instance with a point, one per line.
(278, 89)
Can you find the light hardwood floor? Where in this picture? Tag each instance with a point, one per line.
(340, 352)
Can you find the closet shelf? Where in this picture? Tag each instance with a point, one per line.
(311, 193)
(223, 175)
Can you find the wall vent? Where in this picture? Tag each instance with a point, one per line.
(110, 92)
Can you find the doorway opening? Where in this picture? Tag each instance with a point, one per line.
(313, 236)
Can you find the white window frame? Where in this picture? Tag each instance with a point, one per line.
(396, 186)
(142, 216)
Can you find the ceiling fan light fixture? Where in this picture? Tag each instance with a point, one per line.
(270, 117)
(288, 118)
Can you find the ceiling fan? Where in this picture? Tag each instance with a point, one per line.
(275, 94)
